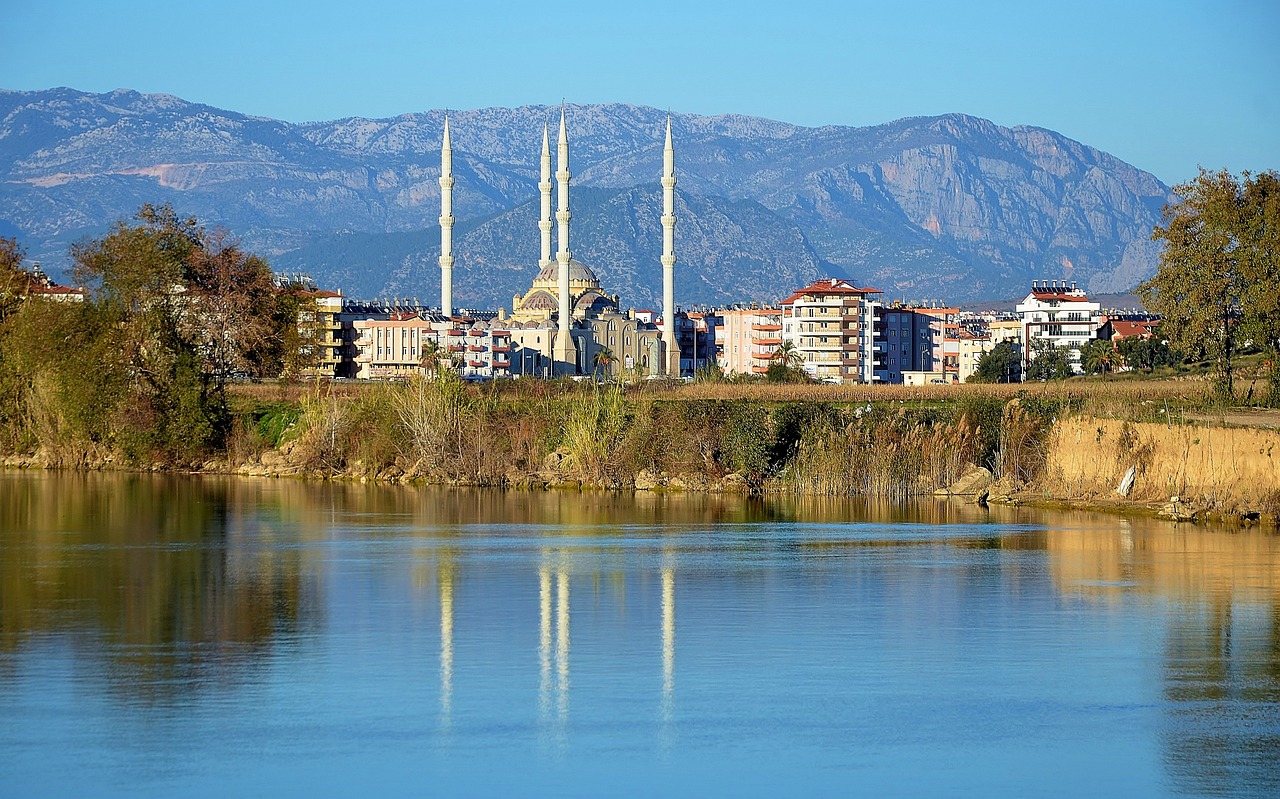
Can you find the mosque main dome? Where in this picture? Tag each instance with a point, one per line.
(579, 273)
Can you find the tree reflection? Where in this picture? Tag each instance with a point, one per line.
(175, 580)
(1221, 666)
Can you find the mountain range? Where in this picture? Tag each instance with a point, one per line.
(948, 207)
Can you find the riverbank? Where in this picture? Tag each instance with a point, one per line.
(1069, 444)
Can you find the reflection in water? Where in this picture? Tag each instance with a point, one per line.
(1221, 667)
(1220, 677)
(544, 641)
(446, 644)
(562, 646)
(179, 583)
(170, 590)
(553, 641)
(668, 641)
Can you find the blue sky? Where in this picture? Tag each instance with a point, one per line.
(1164, 85)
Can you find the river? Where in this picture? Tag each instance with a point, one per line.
(198, 636)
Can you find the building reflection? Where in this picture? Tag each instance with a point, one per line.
(544, 641)
(182, 585)
(553, 641)
(562, 646)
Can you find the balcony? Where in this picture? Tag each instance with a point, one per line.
(476, 364)
(454, 332)
(759, 369)
(502, 364)
(502, 348)
(457, 347)
(475, 333)
(475, 348)
(767, 342)
(766, 327)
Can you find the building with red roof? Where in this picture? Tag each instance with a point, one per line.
(832, 325)
(1058, 314)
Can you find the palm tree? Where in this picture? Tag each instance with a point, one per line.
(787, 354)
(1097, 356)
(603, 359)
(430, 354)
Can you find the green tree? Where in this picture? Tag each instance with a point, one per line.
(1259, 240)
(1218, 273)
(1048, 362)
(1000, 364)
(185, 310)
(786, 365)
(787, 354)
(15, 281)
(1098, 356)
(1147, 354)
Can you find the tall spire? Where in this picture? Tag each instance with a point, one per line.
(446, 223)
(544, 187)
(669, 343)
(565, 351)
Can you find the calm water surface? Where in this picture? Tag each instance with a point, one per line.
(208, 637)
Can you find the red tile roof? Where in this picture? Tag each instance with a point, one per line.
(829, 286)
(54, 288)
(1121, 328)
(1059, 296)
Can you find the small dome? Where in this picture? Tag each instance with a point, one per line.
(539, 301)
(578, 273)
(594, 303)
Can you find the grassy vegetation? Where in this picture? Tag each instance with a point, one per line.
(811, 439)
(890, 441)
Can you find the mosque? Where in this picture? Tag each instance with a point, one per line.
(566, 324)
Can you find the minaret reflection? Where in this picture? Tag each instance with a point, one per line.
(668, 641)
(445, 582)
(562, 644)
(553, 641)
(544, 640)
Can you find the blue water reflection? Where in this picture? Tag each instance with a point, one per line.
(164, 636)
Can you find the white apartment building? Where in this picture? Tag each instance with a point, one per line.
(832, 325)
(1060, 314)
(399, 347)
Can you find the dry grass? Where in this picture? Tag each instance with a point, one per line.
(1119, 392)
(1188, 391)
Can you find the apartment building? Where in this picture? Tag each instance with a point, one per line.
(747, 338)
(833, 327)
(405, 343)
(1058, 314)
(320, 327)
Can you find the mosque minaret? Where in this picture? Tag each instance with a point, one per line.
(670, 347)
(565, 324)
(446, 224)
(544, 188)
(565, 352)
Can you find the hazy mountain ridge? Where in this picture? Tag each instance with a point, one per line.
(951, 207)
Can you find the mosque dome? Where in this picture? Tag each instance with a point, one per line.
(578, 273)
(539, 301)
(593, 303)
